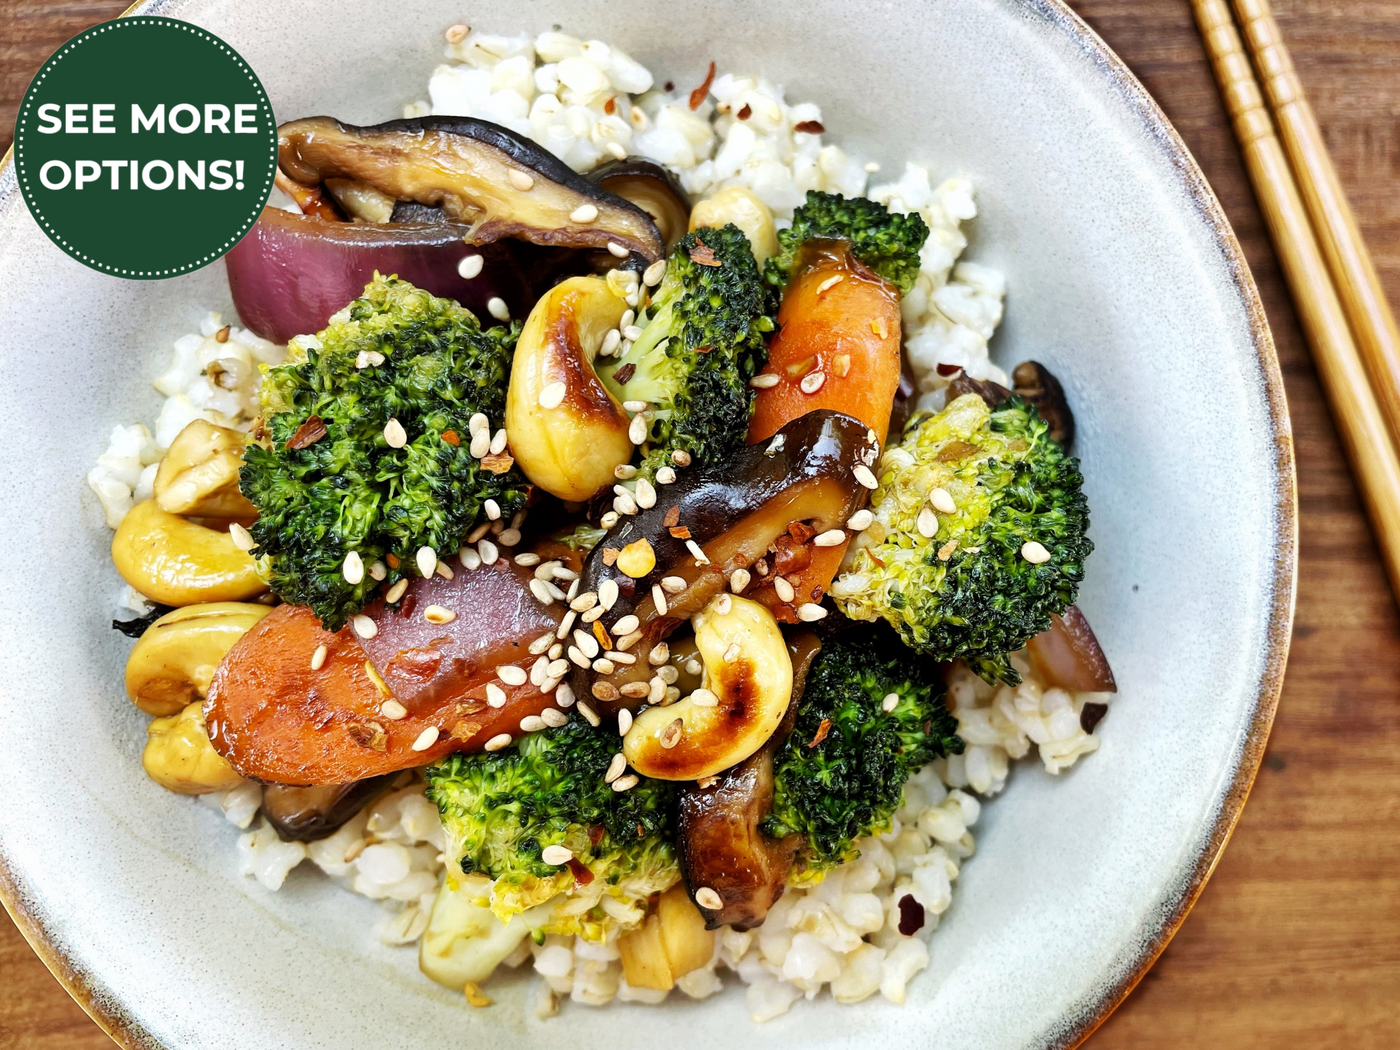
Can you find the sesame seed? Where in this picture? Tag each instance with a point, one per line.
(656, 689)
(658, 599)
(732, 653)
(830, 282)
(723, 604)
(927, 523)
(364, 626)
(665, 476)
(942, 501)
(607, 593)
(552, 395)
(830, 538)
(564, 696)
(489, 553)
(527, 559)
(426, 559)
(764, 381)
(353, 568)
(478, 423)
(557, 668)
(436, 614)
(624, 721)
(605, 691)
(496, 307)
(318, 658)
(540, 590)
(426, 739)
(539, 671)
(584, 601)
(708, 899)
(617, 249)
(864, 476)
(611, 342)
(1034, 552)
(396, 591)
(242, 538)
(393, 709)
(603, 665)
(478, 532)
(626, 625)
(636, 690)
(625, 504)
(609, 519)
(444, 570)
(680, 457)
(586, 643)
(636, 406)
(531, 724)
(511, 674)
(810, 613)
(541, 643)
(566, 624)
(481, 443)
(394, 434)
(556, 854)
(492, 508)
(553, 717)
(672, 584)
(495, 695)
(624, 472)
(520, 180)
(645, 494)
(696, 552)
(637, 430)
(584, 213)
(693, 666)
(615, 768)
(672, 695)
(738, 580)
(890, 702)
(626, 783)
(457, 33)
(629, 640)
(704, 698)
(660, 653)
(652, 275)
(588, 713)
(498, 443)
(577, 656)
(631, 332)
(783, 589)
(860, 520)
(498, 741)
(669, 674)
(378, 570)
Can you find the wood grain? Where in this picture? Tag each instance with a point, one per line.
(1296, 940)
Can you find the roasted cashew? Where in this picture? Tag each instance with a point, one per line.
(199, 473)
(179, 757)
(176, 657)
(176, 562)
(741, 207)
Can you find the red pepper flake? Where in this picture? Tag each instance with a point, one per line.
(911, 915)
(817, 594)
(310, 432)
(465, 731)
(745, 113)
(673, 517)
(949, 370)
(595, 833)
(625, 373)
(822, 730)
(497, 462)
(371, 736)
(610, 106)
(680, 532)
(703, 349)
(451, 437)
(393, 560)
(703, 254)
(582, 876)
(698, 96)
(801, 531)
(810, 127)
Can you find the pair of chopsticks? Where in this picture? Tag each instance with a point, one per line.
(1340, 302)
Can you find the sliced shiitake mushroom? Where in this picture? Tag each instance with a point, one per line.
(305, 814)
(1069, 657)
(650, 187)
(1036, 384)
(497, 183)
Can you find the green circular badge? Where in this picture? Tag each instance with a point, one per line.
(145, 147)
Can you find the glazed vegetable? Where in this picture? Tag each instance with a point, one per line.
(887, 242)
(701, 341)
(495, 182)
(502, 810)
(370, 453)
(174, 561)
(978, 539)
(174, 661)
(650, 187)
(567, 432)
(840, 774)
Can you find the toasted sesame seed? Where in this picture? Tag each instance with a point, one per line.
(669, 674)
(812, 382)
(607, 593)
(626, 783)
(927, 523)
(436, 614)
(1035, 552)
(455, 34)
(672, 584)
(564, 696)
(426, 739)
(708, 899)
(566, 625)
(624, 721)
(539, 671)
(578, 656)
(478, 532)
(395, 592)
(626, 625)
(830, 282)
(488, 551)
(553, 717)
(783, 589)
(552, 395)
(527, 559)
(617, 250)
(587, 644)
(624, 472)
(495, 695)
(353, 568)
(611, 342)
(426, 558)
(556, 854)
(394, 434)
(696, 552)
(497, 308)
(531, 724)
(557, 668)
(624, 504)
(542, 643)
(609, 519)
(723, 604)
(665, 476)
(520, 180)
(636, 690)
(704, 698)
(656, 689)
(652, 275)
(658, 599)
(511, 674)
(810, 613)
(890, 702)
(378, 570)
(318, 658)
(364, 626)
(738, 580)
(830, 538)
(693, 666)
(540, 590)
(584, 601)
(584, 213)
(604, 666)
(492, 508)
(942, 501)
(660, 653)
(588, 713)
(617, 656)
(680, 457)
(605, 691)
(864, 476)
(637, 430)
(392, 709)
(860, 520)
(498, 741)
(764, 381)
(242, 538)
(444, 570)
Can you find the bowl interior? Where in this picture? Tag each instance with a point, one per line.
(1122, 278)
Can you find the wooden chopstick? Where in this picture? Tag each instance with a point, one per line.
(1353, 272)
(1355, 411)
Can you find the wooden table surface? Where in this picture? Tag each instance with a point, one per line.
(1296, 941)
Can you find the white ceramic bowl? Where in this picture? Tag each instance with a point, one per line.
(1124, 278)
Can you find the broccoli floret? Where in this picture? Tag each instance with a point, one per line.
(702, 340)
(325, 479)
(887, 242)
(501, 809)
(981, 581)
(841, 774)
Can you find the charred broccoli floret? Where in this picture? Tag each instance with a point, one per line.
(841, 773)
(501, 809)
(887, 242)
(702, 340)
(982, 579)
(327, 481)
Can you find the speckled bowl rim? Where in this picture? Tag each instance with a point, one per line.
(127, 1032)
